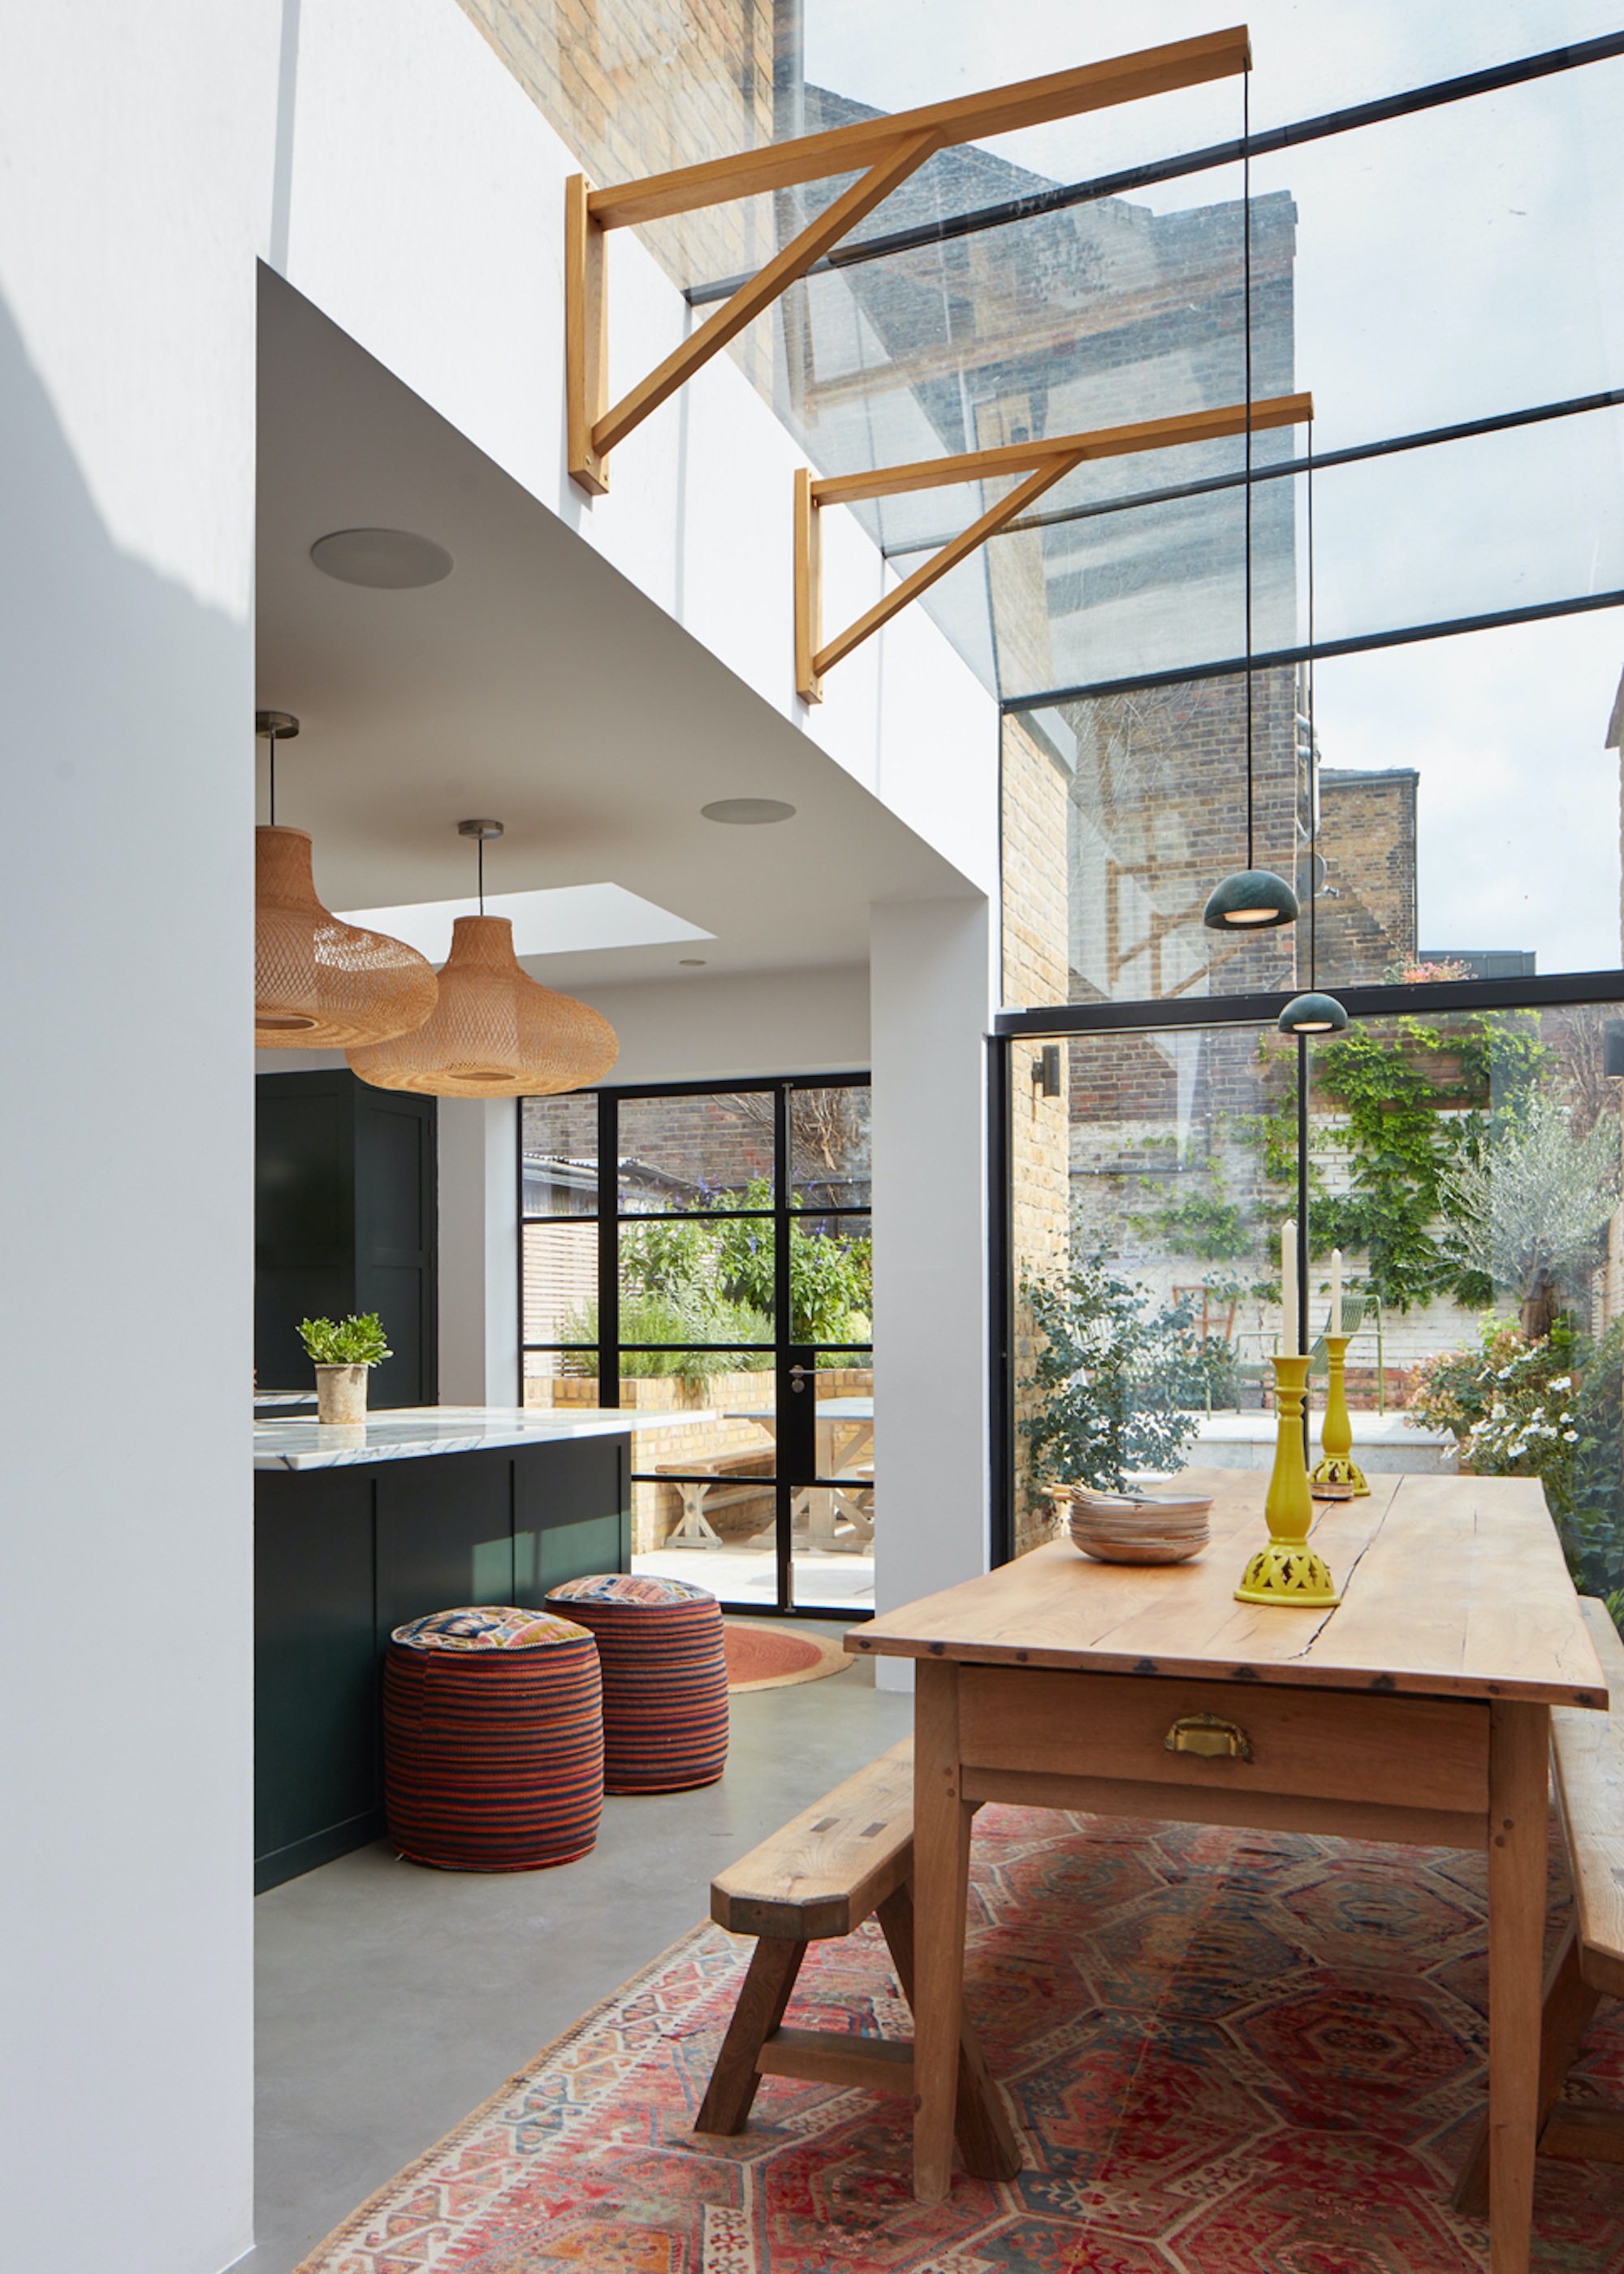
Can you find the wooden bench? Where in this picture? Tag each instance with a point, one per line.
(694, 1530)
(1587, 1751)
(835, 1864)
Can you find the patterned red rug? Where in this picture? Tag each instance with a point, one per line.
(1230, 2053)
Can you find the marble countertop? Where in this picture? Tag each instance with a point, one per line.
(408, 1433)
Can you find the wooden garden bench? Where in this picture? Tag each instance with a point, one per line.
(1587, 1751)
(694, 1530)
(829, 1869)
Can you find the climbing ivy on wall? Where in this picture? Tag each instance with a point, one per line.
(1416, 1099)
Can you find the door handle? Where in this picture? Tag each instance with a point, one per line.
(1203, 1734)
(795, 1374)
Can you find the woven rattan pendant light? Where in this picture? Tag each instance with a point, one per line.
(495, 1032)
(319, 983)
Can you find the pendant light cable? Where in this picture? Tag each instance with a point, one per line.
(1314, 747)
(1247, 310)
(272, 739)
(480, 842)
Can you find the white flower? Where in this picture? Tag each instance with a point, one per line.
(1570, 1436)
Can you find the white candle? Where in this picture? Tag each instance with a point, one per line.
(1288, 1287)
(1336, 1291)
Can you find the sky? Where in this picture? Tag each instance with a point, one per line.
(1450, 266)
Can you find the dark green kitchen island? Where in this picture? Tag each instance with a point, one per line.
(358, 1530)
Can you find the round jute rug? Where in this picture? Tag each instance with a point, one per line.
(762, 1657)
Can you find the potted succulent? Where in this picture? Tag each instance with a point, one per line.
(343, 1349)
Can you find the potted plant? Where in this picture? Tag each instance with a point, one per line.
(343, 1349)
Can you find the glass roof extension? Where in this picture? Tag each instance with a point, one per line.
(1422, 270)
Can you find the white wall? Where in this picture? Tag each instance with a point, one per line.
(425, 214)
(379, 151)
(933, 995)
(477, 1152)
(138, 148)
(722, 1029)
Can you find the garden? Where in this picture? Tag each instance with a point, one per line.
(1466, 1168)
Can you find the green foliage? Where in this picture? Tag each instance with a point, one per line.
(1401, 1150)
(1527, 1211)
(657, 1319)
(1203, 1224)
(354, 1341)
(685, 1279)
(1551, 1408)
(1114, 1386)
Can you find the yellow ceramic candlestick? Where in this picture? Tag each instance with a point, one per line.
(1288, 1570)
(1339, 1476)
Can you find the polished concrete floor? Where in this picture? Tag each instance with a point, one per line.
(392, 1999)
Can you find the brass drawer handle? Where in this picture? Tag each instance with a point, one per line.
(1206, 1734)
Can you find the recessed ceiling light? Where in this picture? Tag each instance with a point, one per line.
(390, 560)
(692, 962)
(746, 810)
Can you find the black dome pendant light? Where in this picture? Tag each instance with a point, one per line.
(1312, 1013)
(1254, 898)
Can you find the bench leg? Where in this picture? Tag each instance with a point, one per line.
(731, 2093)
(986, 2140)
(694, 1531)
(1565, 2015)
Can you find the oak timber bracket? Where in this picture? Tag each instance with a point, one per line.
(1045, 462)
(884, 151)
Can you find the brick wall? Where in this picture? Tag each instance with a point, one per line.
(1366, 916)
(644, 87)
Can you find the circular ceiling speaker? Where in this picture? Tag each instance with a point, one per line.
(745, 812)
(389, 560)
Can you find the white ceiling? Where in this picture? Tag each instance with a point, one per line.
(534, 684)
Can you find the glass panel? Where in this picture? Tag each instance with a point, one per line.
(1465, 1165)
(829, 1147)
(678, 1153)
(559, 1138)
(1495, 740)
(833, 1518)
(704, 1457)
(832, 1279)
(560, 1266)
(561, 1377)
(696, 1279)
(1466, 810)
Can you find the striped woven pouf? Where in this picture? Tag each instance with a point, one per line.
(492, 1739)
(664, 1678)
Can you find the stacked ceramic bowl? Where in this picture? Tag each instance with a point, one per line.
(1138, 1527)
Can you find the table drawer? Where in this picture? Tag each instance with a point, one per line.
(1410, 1752)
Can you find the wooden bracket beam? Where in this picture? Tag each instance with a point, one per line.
(886, 150)
(1050, 458)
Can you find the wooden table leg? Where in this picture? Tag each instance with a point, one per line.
(941, 1888)
(1519, 1780)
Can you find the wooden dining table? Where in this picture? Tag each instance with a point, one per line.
(1417, 1710)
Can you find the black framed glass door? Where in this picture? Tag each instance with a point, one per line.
(700, 1254)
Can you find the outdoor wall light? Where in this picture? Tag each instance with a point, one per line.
(495, 1032)
(1313, 1014)
(1612, 1046)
